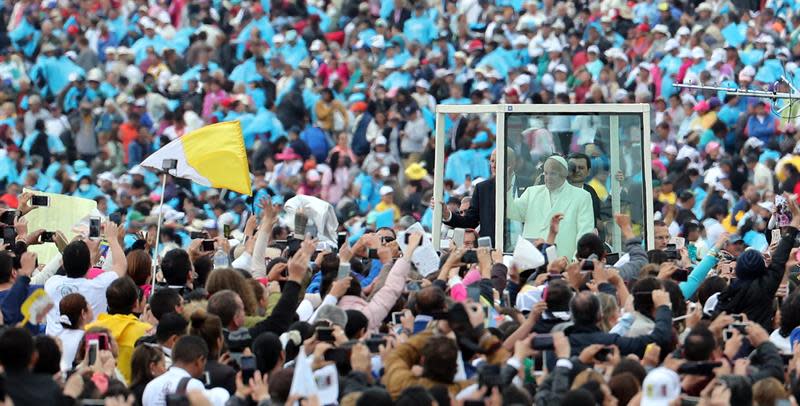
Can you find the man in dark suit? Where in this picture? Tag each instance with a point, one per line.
(579, 167)
(399, 15)
(482, 210)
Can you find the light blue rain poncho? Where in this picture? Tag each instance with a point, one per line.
(54, 72)
(466, 162)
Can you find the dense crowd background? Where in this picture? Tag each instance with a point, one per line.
(336, 100)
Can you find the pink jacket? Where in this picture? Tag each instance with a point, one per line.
(382, 302)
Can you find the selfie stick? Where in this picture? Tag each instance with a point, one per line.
(164, 166)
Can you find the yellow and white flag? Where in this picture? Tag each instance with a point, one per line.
(211, 156)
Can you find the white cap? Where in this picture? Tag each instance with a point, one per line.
(386, 189)
(593, 49)
(147, 23)
(380, 140)
(277, 38)
(698, 53)
(748, 71)
(377, 42)
(95, 75)
(683, 31)
(671, 149)
(316, 45)
(163, 17)
(703, 7)
(660, 387)
(423, 84)
(481, 86)
(671, 44)
(753, 143)
(562, 68)
(662, 29)
(522, 80)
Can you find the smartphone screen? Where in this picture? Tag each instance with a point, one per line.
(325, 334)
(300, 222)
(208, 245)
(226, 230)
(92, 348)
(458, 237)
(47, 236)
(341, 238)
(396, 318)
(344, 270)
(248, 364)
(776, 234)
(40, 201)
(485, 242)
(94, 227)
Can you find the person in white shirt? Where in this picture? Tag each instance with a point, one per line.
(78, 257)
(75, 314)
(189, 362)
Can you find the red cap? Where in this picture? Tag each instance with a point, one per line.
(72, 30)
(643, 27)
(257, 8)
(475, 45)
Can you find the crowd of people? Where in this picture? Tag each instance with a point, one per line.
(233, 301)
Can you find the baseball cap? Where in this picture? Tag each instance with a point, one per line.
(386, 189)
(660, 387)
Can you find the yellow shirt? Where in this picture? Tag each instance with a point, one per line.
(126, 329)
(599, 188)
(669, 198)
(381, 207)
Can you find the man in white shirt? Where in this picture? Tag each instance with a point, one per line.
(78, 257)
(189, 362)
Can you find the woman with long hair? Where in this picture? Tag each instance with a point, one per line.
(75, 314)
(147, 363)
(336, 181)
(139, 269)
(227, 278)
(209, 327)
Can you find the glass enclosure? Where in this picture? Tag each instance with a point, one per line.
(605, 170)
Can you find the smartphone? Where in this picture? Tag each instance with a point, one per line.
(702, 368)
(507, 299)
(413, 286)
(737, 318)
(92, 349)
(8, 217)
(325, 334)
(94, 227)
(474, 292)
(9, 235)
(397, 318)
(344, 270)
(198, 235)
(678, 242)
(341, 238)
(337, 355)
(47, 236)
(458, 237)
(603, 354)
(40, 200)
(374, 344)
(115, 218)
(485, 242)
(680, 275)
(551, 253)
(300, 223)
(207, 245)
(101, 339)
(248, 364)
(469, 257)
(644, 297)
(776, 235)
(612, 258)
(372, 253)
(542, 342)
(588, 263)
(226, 230)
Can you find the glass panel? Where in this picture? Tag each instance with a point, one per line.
(603, 157)
(469, 141)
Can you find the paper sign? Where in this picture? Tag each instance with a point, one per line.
(425, 258)
(303, 382)
(526, 255)
(62, 215)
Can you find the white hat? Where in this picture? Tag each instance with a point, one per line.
(671, 149)
(163, 17)
(520, 40)
(313, 175)
(316, 45)
(747, 72)
(684, 30)
(766, 205)
(106, 176)
(111, 50)
(140, 103)
(753, 143)
(124, 51)
(593, 49)
(278, 38)
(481, 86)
(460, 55)
(147, 23)
(562, 68)
(765, 39)
(291, 35)
(411, 63)
(661, 28)
(660, 387)
(380, 140)
(377, 42)
(137, 170)
(553, 46)
(385, 190)
(698, 53)
(522, 80)
(703, 7)
(95, 75)
(423, 84)
(671, 44)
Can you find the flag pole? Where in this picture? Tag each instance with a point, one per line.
(158, 232)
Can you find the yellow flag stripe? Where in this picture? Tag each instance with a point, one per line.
(217, 153)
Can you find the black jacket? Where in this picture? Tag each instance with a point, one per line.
(481, 211)
(581, 337)
(26, 388)
(754, 298)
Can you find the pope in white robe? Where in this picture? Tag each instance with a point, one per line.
(537, 205)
